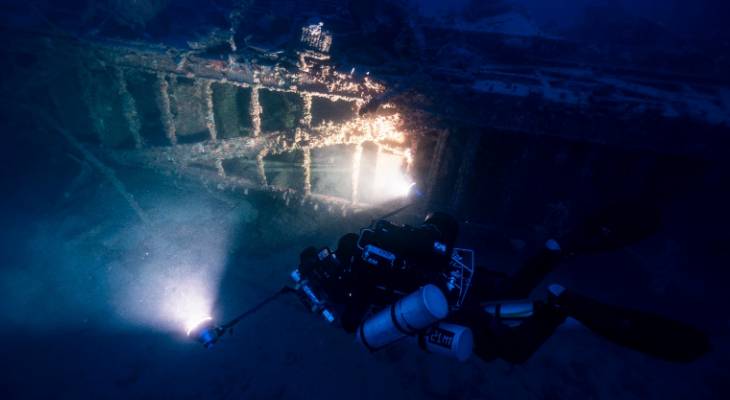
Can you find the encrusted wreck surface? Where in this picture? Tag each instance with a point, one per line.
(155, 107)
(298, 121)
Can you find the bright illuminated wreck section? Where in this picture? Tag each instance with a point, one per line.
(363, 159)
(376, 155)
(315, 135)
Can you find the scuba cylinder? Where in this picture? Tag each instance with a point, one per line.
(407, 316)
(451, 340)
(510, 310)
(511, 313)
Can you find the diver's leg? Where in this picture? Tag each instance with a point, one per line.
(518, 344)
(643, 331)
(480, 323)
(494, 339)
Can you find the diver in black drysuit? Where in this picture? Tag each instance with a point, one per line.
(356, 290)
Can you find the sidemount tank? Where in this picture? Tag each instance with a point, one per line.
(407, 316)
(451, 340)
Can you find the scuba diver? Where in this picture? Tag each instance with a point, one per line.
(390, 282)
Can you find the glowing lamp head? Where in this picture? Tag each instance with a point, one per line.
(391, 181)
(205, 331)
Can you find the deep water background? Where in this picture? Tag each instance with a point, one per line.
(71, 266)
(83, 282)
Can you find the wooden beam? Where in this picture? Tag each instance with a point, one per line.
(167, 118)
(129, 108)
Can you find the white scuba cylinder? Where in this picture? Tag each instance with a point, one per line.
(451, 340)
(510, 310)
(511, 313)
(407, 316)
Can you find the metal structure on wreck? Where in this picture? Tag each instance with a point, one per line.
(292, 123)
(235, 125)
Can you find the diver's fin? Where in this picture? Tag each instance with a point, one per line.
(643, 331)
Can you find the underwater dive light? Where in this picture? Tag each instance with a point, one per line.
(206, 332)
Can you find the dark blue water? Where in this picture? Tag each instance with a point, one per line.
(93, 300)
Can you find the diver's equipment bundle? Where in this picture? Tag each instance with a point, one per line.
(419, 314)
(385, 247)
(317, 304)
